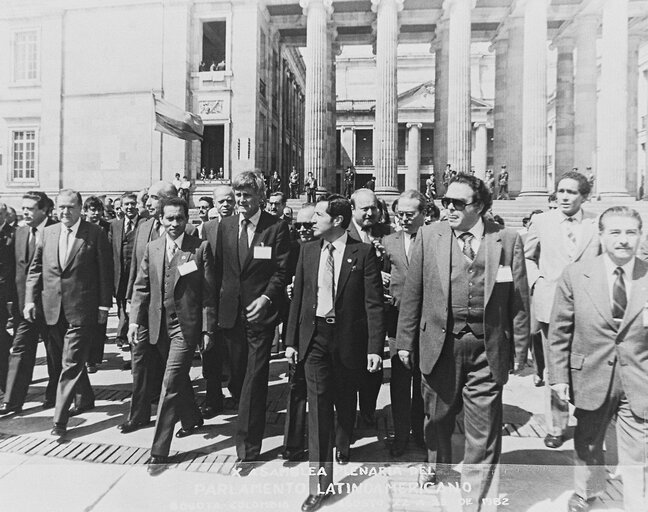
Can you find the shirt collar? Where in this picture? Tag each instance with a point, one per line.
(339, 243)
(254, 220)
(41, 226)
(177, 241)
(610, 266)
(578, 216)
(477, 230)
(74, 228)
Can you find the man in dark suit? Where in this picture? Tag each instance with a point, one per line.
(122, 238)
(72, 273)
(7, 289)
(405, 383)
(174, 297)
(251, 259)
(598, 359)
(205, 204)
(35, 209)
(336, 326)
(466, 313)
(147, 371)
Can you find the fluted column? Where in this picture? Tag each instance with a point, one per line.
(459, 126)
(585, 94)
(534, 99)
(514, 92)
(632, 157)
(317, 99)
(385, 140)
(440, 45)
(481, 150)
(500, 116)
(413, 173)
(613, 114)
(564, 149)
(334, 51)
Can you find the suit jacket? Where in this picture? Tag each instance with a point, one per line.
(424, 308)
(143, 236)
(377, 231)
(359, 321)
(585, 341)
(210, 233)
(395, 262)
(23, 261)
(238, 287)
(193, 293)
(546, 253)
(115, 237)
(80, 286)
(7, 264)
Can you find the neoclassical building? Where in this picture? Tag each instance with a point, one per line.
(538, 85)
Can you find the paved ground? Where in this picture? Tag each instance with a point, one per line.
(100, 469)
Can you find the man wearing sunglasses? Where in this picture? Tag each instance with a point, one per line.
(466, 315)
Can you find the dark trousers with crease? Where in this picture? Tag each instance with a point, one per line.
(5, 344)
(147, 371)
(329, 385)
(98, 344)
(23, 358)
(212, 370)
(406, 401)
(122, 326)
(249, 348)
(460, 379)
(295, 424)
(74, 385)
(177, 400)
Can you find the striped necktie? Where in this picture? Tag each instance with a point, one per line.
(619, 297)
(467, 245)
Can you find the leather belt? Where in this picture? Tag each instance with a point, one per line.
(326, 319)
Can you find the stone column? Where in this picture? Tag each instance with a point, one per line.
(413, 173)
(513, 119)
(585, 94)
(645, 196)
(334, 51)
(441, 84)
(459, 126)
(500, 116)
(632, 163)
(481, 150)
(534, 99)
(346, 151)
(317, 98)
(564, 149)
(613, 114)
(385, 140)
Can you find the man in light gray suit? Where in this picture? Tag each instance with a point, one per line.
(599, 359)
(557, 238)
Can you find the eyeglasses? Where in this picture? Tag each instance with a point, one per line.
(406, 215)
(457, 204)
(305, 225)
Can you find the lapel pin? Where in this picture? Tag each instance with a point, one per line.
(349, 260)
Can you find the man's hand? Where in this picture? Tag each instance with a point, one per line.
(562, 390)
(256, 309)
(386, 278)
(291, 355)
(132, 334)
(102, 318)
(405, 357)
(374, 363)
(30, 312)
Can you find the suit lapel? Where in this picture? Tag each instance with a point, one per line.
(119, 236)
(587, 232)
(157, 252)
(311, 261)
(402, 253)
(442, 251)
(638, 295)
(599, 291)
(77, 243)
(348, 261)
(493, 247)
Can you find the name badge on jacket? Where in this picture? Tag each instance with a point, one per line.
(187, 268)
(262, 252)
(504, 275)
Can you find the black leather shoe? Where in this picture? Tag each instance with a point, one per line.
(157, 465)
(208, 411)
(184, 432)
(313, 502)
(8, 409)
(553, 441)
(49, 404)
(397, 450)
(59, 431)
(538, 381)
(577, 504)
(427, 476)
(230, 404)
(293, 455)
(75, 411)
(243, 468)
(131, 426)
(341, 458)
(92, 368)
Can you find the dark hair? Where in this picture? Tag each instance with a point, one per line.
(499, 220)
(43, 202)
(281, 195)
(552, 197)
(175, 201)
(128, 195)
(208, 200)
(619, 211)
(480, 191)
(432, 211)
(584, 186)
(71, 193)
(93, 202)
(338, 205)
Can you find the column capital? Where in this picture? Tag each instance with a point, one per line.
(307, 4)
(437, 39)
(414, 125)
(376, 4)
(564, 44)
(449, 5)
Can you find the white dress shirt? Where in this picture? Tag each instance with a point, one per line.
(575, 225)
(477, 232)
(39, 232)
(364, 236)
(251, 227)
(64, 239)
(170, 243)
(407, 241)
(323, 301)
(610, 267)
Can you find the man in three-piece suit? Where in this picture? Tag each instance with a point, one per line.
(466, 313)
(555, 239)
(122, 239)
(147, 371)
(251, 259)
(405, 383)
(22, 358)
(72, 273)
(336, 326)
(174, 297)
(7, 288)
(599, 359)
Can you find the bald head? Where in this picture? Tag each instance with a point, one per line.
(364, 205)
(224, 200)
(156, 192)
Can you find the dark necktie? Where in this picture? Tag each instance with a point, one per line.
(467, 245)
(619, 297)
(243, 245)
(329, 279)
(31, 245)
(129, 226)
(411, 246)
(571, 237)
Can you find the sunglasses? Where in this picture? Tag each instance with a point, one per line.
(305, 225)
(458, 204)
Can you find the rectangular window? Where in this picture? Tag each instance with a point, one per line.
(23, 155)
(214, 46)
(25, 56)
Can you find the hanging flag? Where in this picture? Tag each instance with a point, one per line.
(174, 121)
